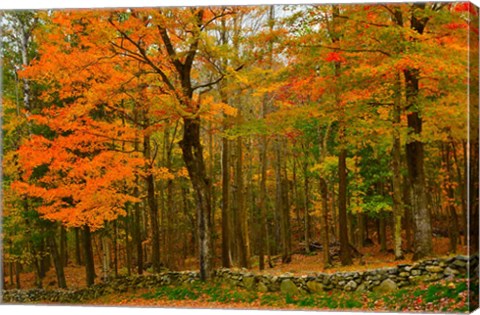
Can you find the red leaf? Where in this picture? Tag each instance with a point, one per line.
(454, 26)
(334, 57)
(466, 7)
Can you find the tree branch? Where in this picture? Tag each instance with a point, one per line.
(348, 50)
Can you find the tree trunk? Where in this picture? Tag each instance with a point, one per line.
(89, 262)
(105, 258)
(10, 273)
(345, 256)
(306, 215)
(43, 260)
(463, 192)
(287, 239)
(58, 262)
(473, 189)
(128, 244)
(193, 158)
(396, 178)
(324, 219)
(115, 249)
(240, 213)
(78, 252)
(382, 233)
(18, 268)
(450, 206)
(138, 230)
(262, 201)
(63, 246)
(37, 264)
(226, 263)
(415, 152)
(152, 205)
(281, 204)
(415, 158)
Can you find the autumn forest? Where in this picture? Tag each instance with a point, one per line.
(291, 136)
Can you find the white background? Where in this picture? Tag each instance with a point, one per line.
(81, 310)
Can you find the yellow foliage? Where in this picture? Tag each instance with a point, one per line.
(162, 173)
(183, 172)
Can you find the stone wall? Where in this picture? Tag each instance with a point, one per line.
(384, 279)
(381, 280)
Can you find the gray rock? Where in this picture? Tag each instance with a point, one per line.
(326, 280)
(392, 271)
(459, 263)
(350, 286)
(361, 288)
(288, 287)
(450, 271)
(262, 287)
(315, 287)
(387, 285)
(416, 272)
(249, 282)
(415, 279)
(286, 275)
(434, 269)
(462, 258)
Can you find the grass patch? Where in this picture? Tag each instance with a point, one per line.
(172, 294)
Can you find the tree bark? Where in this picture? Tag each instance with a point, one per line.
(415, 159)
(452, 213)
(152, 205)
(415, 152)
(58, 262)
(193, 157)
(462, 191)
(324, 219)
(262, 204)
(345, 256)
(63, 246)
(128, 245)
(18, 268)
(89, 262)
(287, 239)
(78, 252)
(306, 215)
(240, 206)
(281, 204)
(115, 249)
(396, 178)
(226, 263)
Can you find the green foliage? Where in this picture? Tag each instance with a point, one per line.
(173, 293)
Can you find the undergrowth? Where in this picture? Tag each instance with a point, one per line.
(443, 296)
